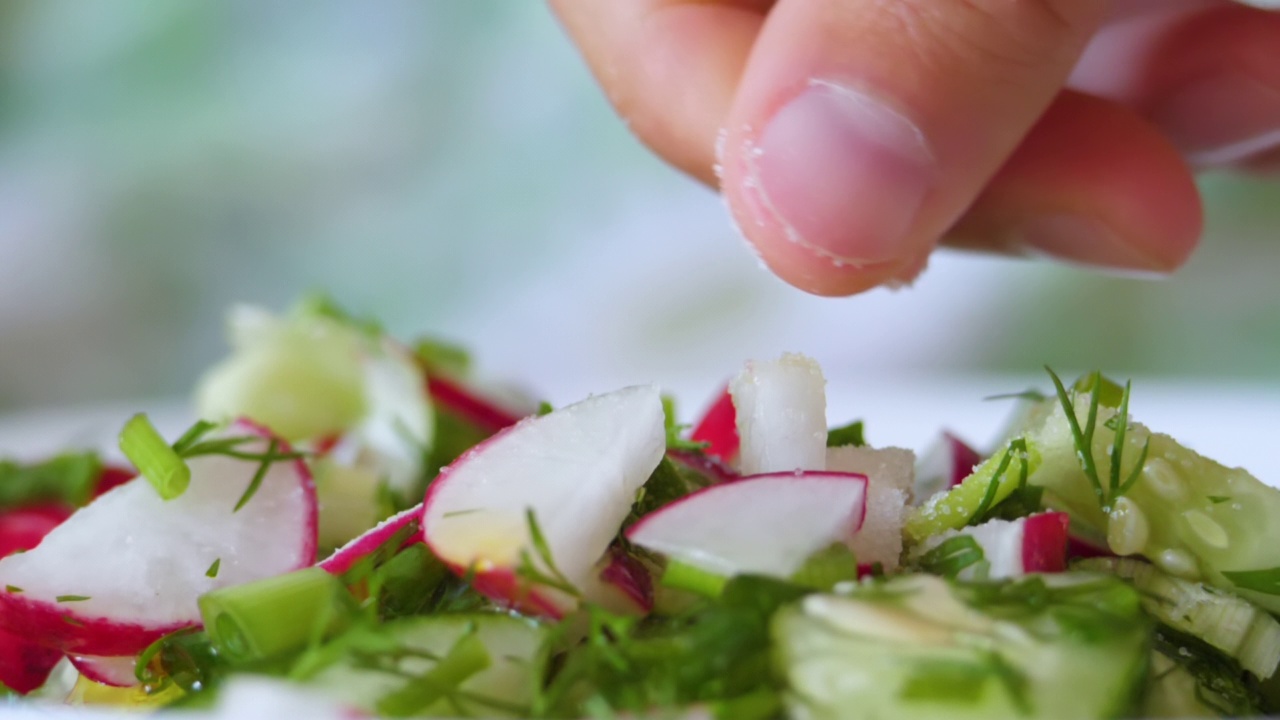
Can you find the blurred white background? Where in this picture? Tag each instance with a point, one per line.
(451, 168)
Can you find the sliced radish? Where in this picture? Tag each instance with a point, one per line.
(781, 410)
(113, 476)
(345, 557)
(24, 665)
(1012, 548)
(577, 470)
(113, 671)
(470, 405)
(707, 465)
(719, 428)
(947, 462)
(128, 567)
(628, 581)
(23, 528)
(889, 472)
(765, 524)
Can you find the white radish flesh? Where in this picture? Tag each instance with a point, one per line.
(781, 408)
(577, 470)
(889, 473)
(129, 566)
(765, 524)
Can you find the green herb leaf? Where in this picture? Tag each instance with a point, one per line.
(69, 478)
(851, 434)
(12, 589)
(952, 556)
(548, 574)
(1263, 581)
(442, 357)
(71, 598)
(545, 408)
(1029, 395)
(259, 475)
(193, 435)
(1219, 499)
(212, 572)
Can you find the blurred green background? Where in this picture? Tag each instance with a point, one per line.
(450, 167)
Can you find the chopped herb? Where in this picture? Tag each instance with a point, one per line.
(258, 476)
(193, 435)
(12, 589)
(1263, 581)
(548, 575)
(72, 621)
(1030, 395)
(1097, 386)
(459, 513)
(851, 434)
(952, 556)
(675, 431)
(442, 357)
(212, 572)
(545, 408)
(71, 598)
(69, 478)
(1219, 499)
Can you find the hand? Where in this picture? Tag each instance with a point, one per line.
(849, 136)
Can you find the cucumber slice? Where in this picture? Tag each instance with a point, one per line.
(918, 646)
(505, 688)
(1191, 516)
(1190, 679)
(1224, 621)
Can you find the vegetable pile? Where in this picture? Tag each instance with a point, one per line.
(361, 526)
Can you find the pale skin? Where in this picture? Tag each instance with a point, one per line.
(851, 137)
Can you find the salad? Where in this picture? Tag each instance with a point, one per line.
(359, 527)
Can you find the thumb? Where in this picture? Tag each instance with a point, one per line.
(863, 129)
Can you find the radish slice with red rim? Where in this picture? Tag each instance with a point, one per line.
(128, 568)
(345, 557)
(762, 524)
(574, 472)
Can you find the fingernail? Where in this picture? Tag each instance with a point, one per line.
(844, 174)
(1221, 120)
(1083, 241)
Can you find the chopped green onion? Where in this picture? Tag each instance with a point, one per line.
(154, 458)
(71, 598)
(270, 617)
(213, 569)
(683, 576)
(467, 657)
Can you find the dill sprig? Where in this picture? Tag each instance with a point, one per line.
(1082, 437)
(528, 569)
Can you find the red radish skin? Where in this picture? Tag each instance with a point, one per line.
(24, 665)
(963, 458)
(481, 412)
(719, 428)
(113, 671)
(1044, 542)
(712, 467)
(769, 523)
(69, 627)
(345, 557)
(23, 528)
(113, 476)
(503, 586)
(631, 578)
(1078, 547)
